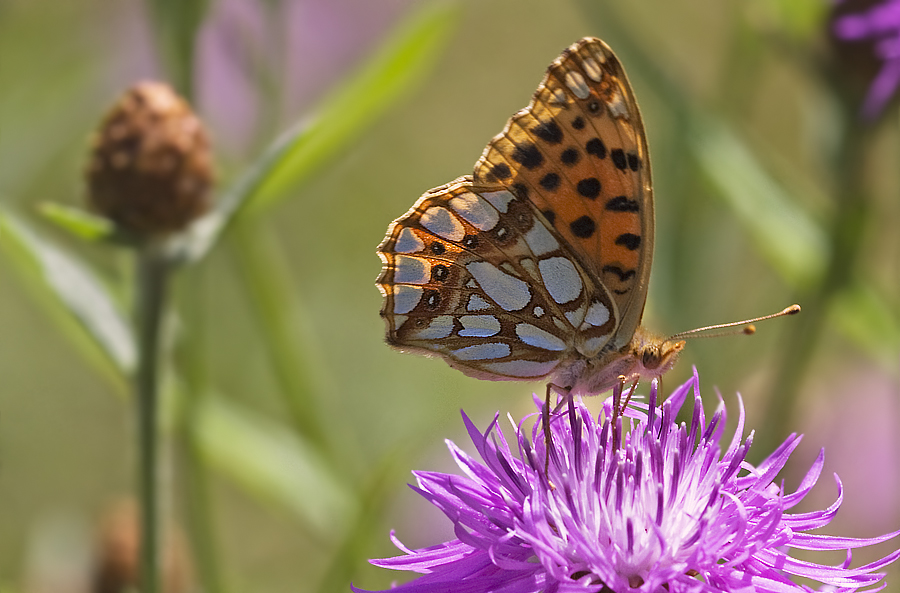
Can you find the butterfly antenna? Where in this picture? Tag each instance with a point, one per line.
(744, 327)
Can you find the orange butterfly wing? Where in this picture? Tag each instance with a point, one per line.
(579, 153)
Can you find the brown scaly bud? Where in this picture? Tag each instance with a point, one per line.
(117, 565)
(150, 169)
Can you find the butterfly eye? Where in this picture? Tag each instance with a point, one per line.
(650, 358)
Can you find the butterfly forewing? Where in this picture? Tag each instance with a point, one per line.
(579, 153)
(475, 274)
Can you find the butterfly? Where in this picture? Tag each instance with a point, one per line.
(537, 265)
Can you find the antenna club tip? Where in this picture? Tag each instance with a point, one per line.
(749, 330)
(792, 310)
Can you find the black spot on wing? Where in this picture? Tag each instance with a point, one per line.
(548, 131)
(583, 227)
(501, 171)
(589, 187)
(550, 181)
(528, 155)
(440, 273)
(622, 204)
(550, 215)
(629, 240)
(622, 274)
(432, 299)
(634, 163)
(618, 158)
(569, 156)
(596, 147)
(520, 190)
(501, 234)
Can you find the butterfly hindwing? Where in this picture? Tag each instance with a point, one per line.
(476, 275)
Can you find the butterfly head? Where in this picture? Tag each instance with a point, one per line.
(646, 356)
(653, 356)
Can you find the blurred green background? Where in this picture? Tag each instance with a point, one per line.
(278, 330)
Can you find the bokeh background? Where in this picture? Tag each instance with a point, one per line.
(770, 187)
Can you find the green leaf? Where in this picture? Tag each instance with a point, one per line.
(310, 143)
(866, 316)
(78, 222)
(70, 283)
(291, 349)
(784, 234)
(344, 114)
(203, 234)
(270, 461)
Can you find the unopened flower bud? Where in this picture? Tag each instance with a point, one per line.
(117, 568)
(150, 169)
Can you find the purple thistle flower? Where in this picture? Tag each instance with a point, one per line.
(657, 508)
(875, 29)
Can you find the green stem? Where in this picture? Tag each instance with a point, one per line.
(152, 279)
(195, 471)
(845, 238)
(267, 282)
(199, 507)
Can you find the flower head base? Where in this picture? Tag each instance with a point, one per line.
(150, 169)
(658, 508)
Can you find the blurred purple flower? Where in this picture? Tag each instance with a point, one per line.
(263, 63)
(864, 448)
(657, 509)
(876, 25)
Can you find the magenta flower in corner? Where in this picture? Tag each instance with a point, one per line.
(654, 507)
(869, 34)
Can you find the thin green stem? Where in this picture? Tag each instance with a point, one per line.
(192, 362)
(267, 284)
(351, 551)
(152, 281)
(177, 23)
(199, 508)
(846, 234)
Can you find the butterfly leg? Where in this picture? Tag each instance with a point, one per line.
(546, 414)
(618, 408)
(617, 397)
(630, 393)
(545, 418)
